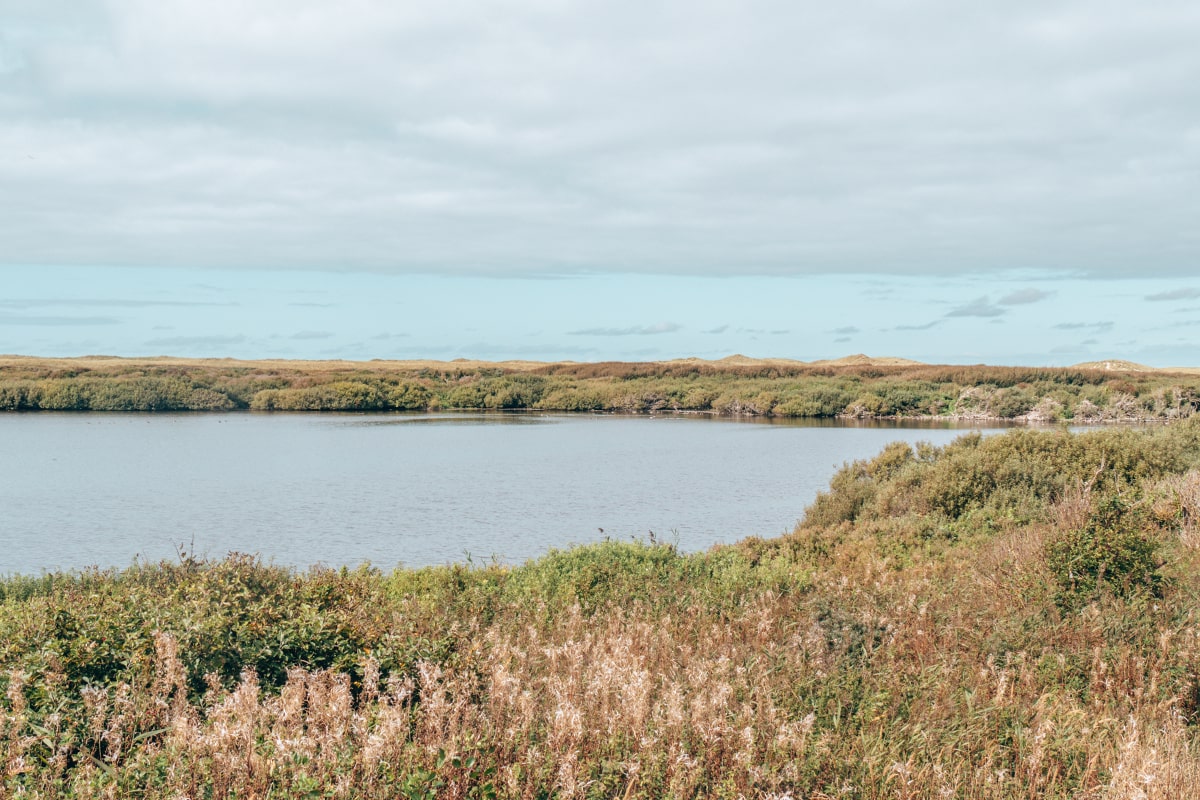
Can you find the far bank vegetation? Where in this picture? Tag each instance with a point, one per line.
(974, 392)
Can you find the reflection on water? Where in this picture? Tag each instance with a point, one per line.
(543, 418)
(300, 489)
(491, 418)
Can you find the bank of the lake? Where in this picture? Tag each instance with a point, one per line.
(1003, 617)
(739, 387)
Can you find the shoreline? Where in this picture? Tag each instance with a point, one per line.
(765, 389)
(963, 419)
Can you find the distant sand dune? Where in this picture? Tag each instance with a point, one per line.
(389, 365)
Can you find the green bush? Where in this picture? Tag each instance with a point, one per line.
(571, 399)
(1010, 403)
(226, 615)
(596, 574)
(1013, 477)
(466, 396)
(16, 396)
(338, 396)
(409, 396)
(817, 401)
(1113, 550)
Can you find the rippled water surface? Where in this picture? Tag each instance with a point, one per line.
(79, 490)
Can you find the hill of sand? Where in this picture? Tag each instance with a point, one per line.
(110, 363)
(385, 365)
(739, 360)
(301, 365)
(862, 360)
(1116, 365)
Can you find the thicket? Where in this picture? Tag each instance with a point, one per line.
(1045, 395)
(1002, 617)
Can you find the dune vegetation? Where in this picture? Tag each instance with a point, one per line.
(1003, 617)
(741, 386)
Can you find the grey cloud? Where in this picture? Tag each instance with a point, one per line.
(1099, 327)
(924, 327)
(718, 329)
(760, 137)
(312, 305)
(979, 307)
(636, 330)
(69, 302)
(1175, 294)
(55, 321)
(311, 335)
(1023, 297)
(383, 337)
(842, 339)
(846, 330)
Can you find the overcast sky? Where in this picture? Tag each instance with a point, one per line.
(1015, 182)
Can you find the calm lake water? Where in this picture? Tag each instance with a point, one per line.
(80, 490)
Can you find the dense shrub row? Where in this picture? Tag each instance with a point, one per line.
(965, 392)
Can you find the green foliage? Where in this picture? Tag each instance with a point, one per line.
(409, 396)
(1009, 403)
(819, 400)
(338, 396)
(855, 487)
(144, 393)
(781, 391)
(227, 615)
(465, 396)
(596, 575)
(571, 398)
(1114, 550)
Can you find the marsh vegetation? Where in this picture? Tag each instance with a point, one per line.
(781, 390)
(1002, 617)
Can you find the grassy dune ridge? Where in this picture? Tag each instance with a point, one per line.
(1002, 617)
(855, 387)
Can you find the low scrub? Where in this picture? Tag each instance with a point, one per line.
(1037, 395)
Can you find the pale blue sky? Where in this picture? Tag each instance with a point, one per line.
(1006, 319)
(579, 179)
